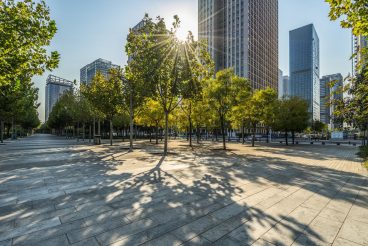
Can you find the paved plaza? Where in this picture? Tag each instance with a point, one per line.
(55, 191)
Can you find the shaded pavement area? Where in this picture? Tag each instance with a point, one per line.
(55, 191)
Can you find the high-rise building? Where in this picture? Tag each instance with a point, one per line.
(330, 90)
(242, 34)
(55, 87)
(285, 86)
(281, 84)
(359, 43)
(88, 72)
(304, 67)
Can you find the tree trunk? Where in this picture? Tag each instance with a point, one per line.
(150, 134)
(286, 137)
(2, 131)
(84, 131)
(111, 132)
(94, 128)
(166, 132)
(78, 132)
(293, 136)
(8, 132)
(223, 133)
(253, 135)
(131, 117)
(242, 133)
(99, 128)
(13, 129)
(156, 133)
(190, 131)
(198, 135)
(268, 133)
(90, 132)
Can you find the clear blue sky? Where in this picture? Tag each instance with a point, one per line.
(91, 29)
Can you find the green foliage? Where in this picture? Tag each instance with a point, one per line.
(164, 68)
(62, 114)
(318, 126)
(258, 108)
(152, 114)
(291, 115)
(26, 29)
(354, 109)
(351, 13)
(105, 94)
(223, 93)
(20, 105)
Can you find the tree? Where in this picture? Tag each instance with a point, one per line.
(62, 114)
(83, 112)
(15, 104)
(26, 29)
(152, 115)
(165, 64)
(261, 110)
(291, 115)
(222, 94)
(351, 13)
(105, 94)
(354, 109)
(318, 126)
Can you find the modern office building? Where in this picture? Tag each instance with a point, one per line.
(359, 43)
(285, 86)
(281, 84)
(304, 67)
(136, 28)
(242, 34)
(55, 87)
(88, 72)
(330, 90)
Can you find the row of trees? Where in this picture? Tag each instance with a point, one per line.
(224, 102)
(354, 108)
(26, 30)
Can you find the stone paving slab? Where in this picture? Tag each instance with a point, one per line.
(58, 192)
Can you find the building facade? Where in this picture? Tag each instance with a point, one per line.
(286, 86)
(55, 87)
(88, 72)
(243, 35)
(359, 43)
(281, 84)
(304, 67)
(329, 90)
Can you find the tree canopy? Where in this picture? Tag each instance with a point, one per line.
(26, 30)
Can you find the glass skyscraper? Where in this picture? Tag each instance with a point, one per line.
(87, 73)
(242, 34)
(304, 67)
(55, 87)
(329, 93)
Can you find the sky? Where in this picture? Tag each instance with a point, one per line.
(92, 29)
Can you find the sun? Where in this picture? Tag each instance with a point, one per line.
(182, 34)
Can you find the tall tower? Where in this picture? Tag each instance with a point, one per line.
(88, 72)
(55, 88)
(359, 43)
(304, 67)
(242, 34)
(329, 93)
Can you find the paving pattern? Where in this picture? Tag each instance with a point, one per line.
(55, 191)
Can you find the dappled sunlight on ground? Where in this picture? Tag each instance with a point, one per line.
(102, 195)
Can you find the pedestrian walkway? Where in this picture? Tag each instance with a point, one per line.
(55, 191)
